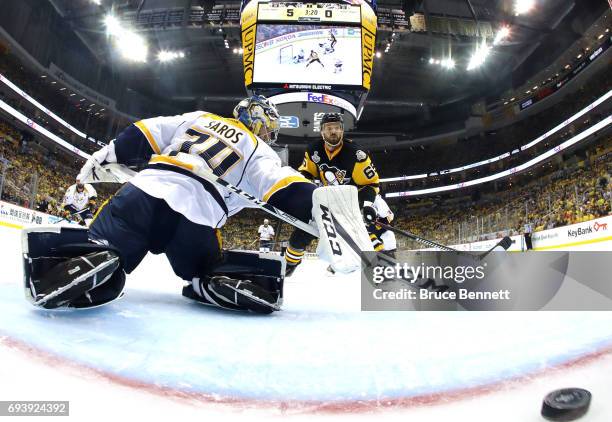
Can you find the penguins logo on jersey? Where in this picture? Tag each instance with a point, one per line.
(361, 155)
(332, 174)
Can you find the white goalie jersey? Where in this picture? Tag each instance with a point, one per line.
(178, 144)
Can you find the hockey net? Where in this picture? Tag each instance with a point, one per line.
(285, 54)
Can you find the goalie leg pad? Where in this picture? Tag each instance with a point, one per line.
(72, 283)
(63, 269)
(343, 234)
(241, 281)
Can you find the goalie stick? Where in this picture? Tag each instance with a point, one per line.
(124, 176)
(505, 243)
(117, 173)
(270, 209)
(216, 180)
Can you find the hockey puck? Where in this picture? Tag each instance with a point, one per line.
(567, 404)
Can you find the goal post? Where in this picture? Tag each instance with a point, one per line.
(285, 54)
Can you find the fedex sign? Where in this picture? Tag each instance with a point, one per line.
(320, 98)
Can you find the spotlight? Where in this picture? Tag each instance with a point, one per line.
(131, 45)
(113, 27)
(165, 56)
(479, 56)
(448, 63)
(378, 54)
(502, 34)
(523, 6)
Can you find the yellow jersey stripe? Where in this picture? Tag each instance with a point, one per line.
(164, 159)
(147, 133)
(283, 183)
(332, 154)
(105, 203)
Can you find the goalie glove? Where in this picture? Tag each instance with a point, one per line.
(92, 171)
(369, 212)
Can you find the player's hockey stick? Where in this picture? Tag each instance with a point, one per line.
(62, 218)
(505, 243)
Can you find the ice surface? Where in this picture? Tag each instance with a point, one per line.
(319, 350)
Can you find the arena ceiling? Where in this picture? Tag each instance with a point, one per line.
(407, 91)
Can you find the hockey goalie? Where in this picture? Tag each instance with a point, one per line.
(168, 208)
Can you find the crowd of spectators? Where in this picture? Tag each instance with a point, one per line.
(566, 196)
(34, 177)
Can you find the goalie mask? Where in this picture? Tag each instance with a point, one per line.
(260, 116)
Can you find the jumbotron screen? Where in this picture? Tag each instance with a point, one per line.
(321, 54)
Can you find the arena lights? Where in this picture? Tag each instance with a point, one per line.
(511, 172)
(479, 56)
(168, 56)
(523, 6)
(378, 54)
(131, 45)
(447, 63)
(41, 130)
(501, 35)
(113, 27)
(534, 142)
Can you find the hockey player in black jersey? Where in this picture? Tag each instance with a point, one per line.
(336, 161)
(314, 57)
(333, 41)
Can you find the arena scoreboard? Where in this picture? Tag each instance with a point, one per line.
(309, 12)
(268, 27)
(309, 58)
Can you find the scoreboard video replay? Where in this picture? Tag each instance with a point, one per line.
(309, 59)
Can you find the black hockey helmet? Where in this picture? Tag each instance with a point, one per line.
(332, 117)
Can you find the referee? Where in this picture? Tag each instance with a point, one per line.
(266, 233)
